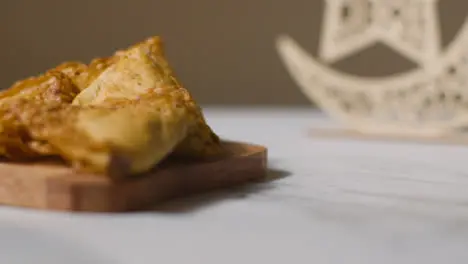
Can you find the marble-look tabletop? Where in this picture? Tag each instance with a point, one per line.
(329, 201)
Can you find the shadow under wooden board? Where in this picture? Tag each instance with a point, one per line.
(456, 139)
(55, 187)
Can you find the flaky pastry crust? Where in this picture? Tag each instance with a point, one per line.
(119, 115)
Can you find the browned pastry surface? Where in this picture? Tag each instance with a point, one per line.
(53, 88)
(201, 141)
(118, 115)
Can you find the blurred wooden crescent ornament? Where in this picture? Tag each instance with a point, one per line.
(431, 100)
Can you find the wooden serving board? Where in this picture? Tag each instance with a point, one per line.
(57, 187)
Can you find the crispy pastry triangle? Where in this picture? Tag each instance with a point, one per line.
(147, 64)
(118, 138)
(131, 113)
(51, 88)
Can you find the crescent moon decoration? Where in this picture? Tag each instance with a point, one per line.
(431, 100)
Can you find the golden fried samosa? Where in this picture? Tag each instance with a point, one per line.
(126, 128)
(52, 88)
(143, 69)
(130, 113)
(119, 137)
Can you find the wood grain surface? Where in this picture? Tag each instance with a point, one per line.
(57, 187)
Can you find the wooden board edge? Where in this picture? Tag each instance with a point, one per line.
(104, 196)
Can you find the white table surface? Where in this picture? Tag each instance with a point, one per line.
(335, 201)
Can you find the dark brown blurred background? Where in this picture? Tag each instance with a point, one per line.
(223, 50)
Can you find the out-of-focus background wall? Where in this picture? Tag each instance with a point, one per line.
(222, 50)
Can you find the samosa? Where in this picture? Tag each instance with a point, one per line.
(118, 116)
(143, 68)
